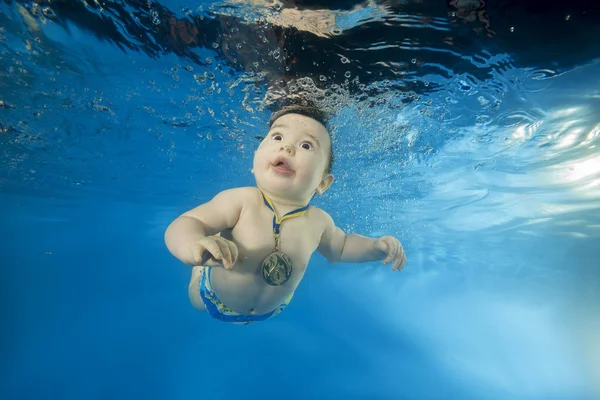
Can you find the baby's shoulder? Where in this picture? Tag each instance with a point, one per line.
(245, 191)
(319, 216)
(236, 198)
(241, 193)
(317, 212)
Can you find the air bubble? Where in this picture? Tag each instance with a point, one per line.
(215, 45)
(347, 74)
(200, 79)
(414, 61)
(48, 12)
(322, 78)
(345, 60)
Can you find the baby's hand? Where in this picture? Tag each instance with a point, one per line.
(214, 251)
(393, 250)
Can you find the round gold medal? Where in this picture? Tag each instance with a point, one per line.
(277, 268)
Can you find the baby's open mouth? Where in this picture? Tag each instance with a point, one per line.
(281, 165)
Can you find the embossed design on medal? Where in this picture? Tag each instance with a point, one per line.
(277, 267)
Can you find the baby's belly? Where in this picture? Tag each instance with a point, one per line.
(243, 289)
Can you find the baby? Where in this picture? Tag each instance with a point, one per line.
(250, 246)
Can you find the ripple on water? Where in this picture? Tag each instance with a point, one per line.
(536, 80)
(519, 117)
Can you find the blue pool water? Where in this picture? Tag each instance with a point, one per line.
(477, 149)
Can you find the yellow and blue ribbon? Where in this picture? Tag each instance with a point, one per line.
(276, 220)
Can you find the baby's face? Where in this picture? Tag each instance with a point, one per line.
(291, 159)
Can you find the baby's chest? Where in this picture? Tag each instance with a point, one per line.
(298, 236)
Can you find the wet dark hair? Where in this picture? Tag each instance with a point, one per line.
(310, 111)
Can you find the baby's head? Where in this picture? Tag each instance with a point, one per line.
(311, 112)
(294, 159)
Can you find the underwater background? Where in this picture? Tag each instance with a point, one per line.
(469, 129)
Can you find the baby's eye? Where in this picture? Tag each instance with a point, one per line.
(276, 136)
(307, 145)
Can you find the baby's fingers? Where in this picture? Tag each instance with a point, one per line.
(197, 251)
(234, 252)
(214, 253)
(388, 259)
(387, 249)
(400, 262)
(226, 253)
(392, 251)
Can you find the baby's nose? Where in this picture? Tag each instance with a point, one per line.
(287, 148)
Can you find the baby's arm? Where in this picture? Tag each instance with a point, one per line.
(336, 246)
(208, 219)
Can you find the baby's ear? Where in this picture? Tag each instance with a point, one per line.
(325, 184)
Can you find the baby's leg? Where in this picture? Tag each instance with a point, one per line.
(194, 288)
